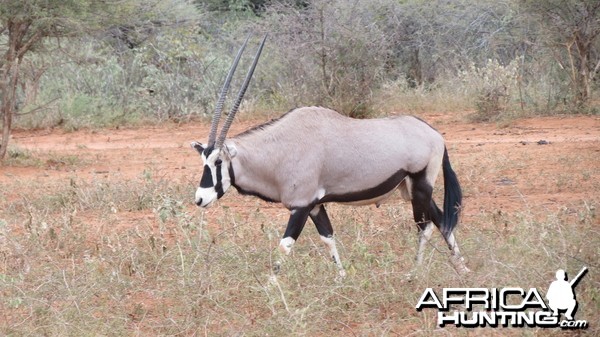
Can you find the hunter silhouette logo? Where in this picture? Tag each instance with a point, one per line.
(509, 306)
(561, 294)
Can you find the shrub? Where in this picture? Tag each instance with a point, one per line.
(326, 54)
(493, 85)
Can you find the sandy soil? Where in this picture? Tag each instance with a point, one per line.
(540, 162)
(531, 165)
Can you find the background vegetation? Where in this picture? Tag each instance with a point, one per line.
(86, 63)
(90, 247)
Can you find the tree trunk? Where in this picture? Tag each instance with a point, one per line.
(17, 30)
(584, 44)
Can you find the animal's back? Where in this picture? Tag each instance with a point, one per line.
(317, 149)
(371, 140)
(350, 152)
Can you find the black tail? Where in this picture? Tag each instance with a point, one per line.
(452, 197)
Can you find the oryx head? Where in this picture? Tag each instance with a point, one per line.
(216, 155)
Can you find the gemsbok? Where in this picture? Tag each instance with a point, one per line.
(312, 156)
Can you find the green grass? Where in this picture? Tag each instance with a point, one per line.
(113, 257)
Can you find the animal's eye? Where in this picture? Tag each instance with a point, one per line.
(218, 162)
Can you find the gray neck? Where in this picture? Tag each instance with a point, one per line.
(251, 175)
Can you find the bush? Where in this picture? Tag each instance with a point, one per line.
(360, 58)
(174, 77)
(326, 54)
(493, 85)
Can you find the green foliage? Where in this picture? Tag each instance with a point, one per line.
(569, 30)
(149, 74)
(256, 6)
(166, 60)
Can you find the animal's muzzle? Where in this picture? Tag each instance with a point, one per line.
(199, 202)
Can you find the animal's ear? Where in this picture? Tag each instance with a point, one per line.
(232, 150)
(198, 146)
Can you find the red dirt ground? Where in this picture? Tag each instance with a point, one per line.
(543, 163)
(547, 162)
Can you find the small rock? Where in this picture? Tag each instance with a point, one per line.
(505, 181)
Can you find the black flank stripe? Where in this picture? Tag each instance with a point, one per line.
(370, 193)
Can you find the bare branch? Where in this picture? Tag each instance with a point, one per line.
(37, 108)
(36, 37)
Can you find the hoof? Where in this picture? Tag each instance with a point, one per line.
(459, 265)
(411, 275)
(341, 276)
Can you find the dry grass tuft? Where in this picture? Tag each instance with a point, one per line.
(154, 265)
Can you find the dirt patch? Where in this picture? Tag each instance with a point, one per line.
(99, 227)
(538, 162)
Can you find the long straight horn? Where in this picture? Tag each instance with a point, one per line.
(221, 101)
(241, 93)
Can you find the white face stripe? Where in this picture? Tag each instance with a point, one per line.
(213, 167)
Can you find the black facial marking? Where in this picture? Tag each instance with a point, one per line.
(370, 193)
(198, 147)
(219, 184)
(208, 150)
(206, 180)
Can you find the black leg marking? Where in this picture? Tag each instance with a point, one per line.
(319, 216)
(322, 222)
(296, 222)
(292, 232)
(425, 211)
(424, 208)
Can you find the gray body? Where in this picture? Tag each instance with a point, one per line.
(312, 156)
(314, 152)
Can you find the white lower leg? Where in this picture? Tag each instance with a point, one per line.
(330, 242)
(456, 258)
(424, 236)
(452, 245)
(285, 246)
